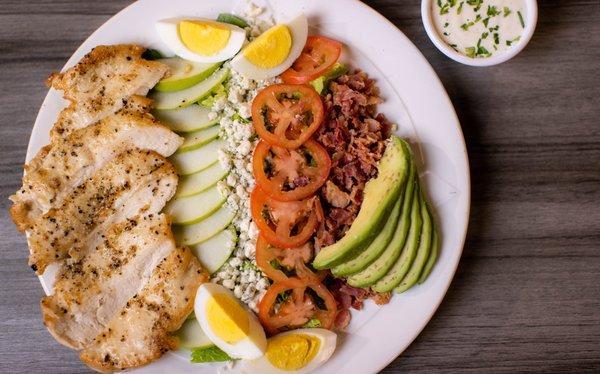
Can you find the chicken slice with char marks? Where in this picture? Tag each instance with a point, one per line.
(101, 84)
(141, 332)
(63, 165)
(91, 291)
(134, 182)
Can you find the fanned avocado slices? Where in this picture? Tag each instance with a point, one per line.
(406, 235)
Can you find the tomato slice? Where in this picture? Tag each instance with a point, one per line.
(318, 55)
(285, 224)
(276, 262)
(286, 115)
(291, 174)
(301, 303)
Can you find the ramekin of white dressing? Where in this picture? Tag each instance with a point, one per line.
(479, 32)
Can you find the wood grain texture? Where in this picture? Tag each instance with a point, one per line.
(526, 297)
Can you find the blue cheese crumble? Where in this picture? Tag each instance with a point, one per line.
(240, 273)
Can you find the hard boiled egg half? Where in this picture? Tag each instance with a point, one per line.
(201, 40)
(295, 351)
(227, 323)
(274, 51)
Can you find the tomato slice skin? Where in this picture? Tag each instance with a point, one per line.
(283, 216)
(318, 55)
(288, 257)
(289, 166)
(298, 309)
(287, 115)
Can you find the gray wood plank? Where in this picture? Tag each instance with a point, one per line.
(527, 293)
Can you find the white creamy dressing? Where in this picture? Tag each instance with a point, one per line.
(479, 28)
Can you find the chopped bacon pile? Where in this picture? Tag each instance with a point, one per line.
(354, 135)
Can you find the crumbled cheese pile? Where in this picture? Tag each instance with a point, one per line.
(240, 273)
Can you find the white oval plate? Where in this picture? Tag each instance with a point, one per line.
(414, 99)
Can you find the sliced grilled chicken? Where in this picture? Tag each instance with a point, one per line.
(141, 332)
(63, 165)
(134, 182)
(101, 83)
(91, 291)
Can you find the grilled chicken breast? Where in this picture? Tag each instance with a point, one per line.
(135, 181)
(91, 291)
(141, 331)
(63, 165)
(101, 84)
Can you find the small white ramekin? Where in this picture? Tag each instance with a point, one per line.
(426, 16)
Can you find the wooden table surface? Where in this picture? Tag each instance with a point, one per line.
(526, 297)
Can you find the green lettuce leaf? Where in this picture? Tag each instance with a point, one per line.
(210, 353)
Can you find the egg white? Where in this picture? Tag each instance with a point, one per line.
(298, 27)
(251, 347)
(168, 31)
(328, 340)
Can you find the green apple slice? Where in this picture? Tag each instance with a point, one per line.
(205, 229)
(184, 74)
(199, 159)
(188, 119)
(192, 209)
(184, 98)
(197, 139)
(192, 336)
(214, 252)
(200, 181)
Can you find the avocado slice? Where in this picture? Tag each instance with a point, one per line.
(407, 231)
(383, 239)
(404, 263)
(370, 254)
(411, 278)
(379, 196)
(432, 257)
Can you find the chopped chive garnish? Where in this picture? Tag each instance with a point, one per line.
(521, 19)
(492, 11)
(496, 38)
(506, 11)
(470, 51)
(510, 42)
(446, 24)
(484, 35)
(478, 42)
(485, 21)
(481, 51)
(459, 10)
(445, 33)
(476, 4)
(439, 2)
(495, 47)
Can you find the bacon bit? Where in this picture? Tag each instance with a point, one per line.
(334, 196)
(381, 298)
(342, 319)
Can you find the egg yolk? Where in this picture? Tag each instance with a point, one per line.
(292, 352)
(271, 48)
(227, 319)
(204, 38)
